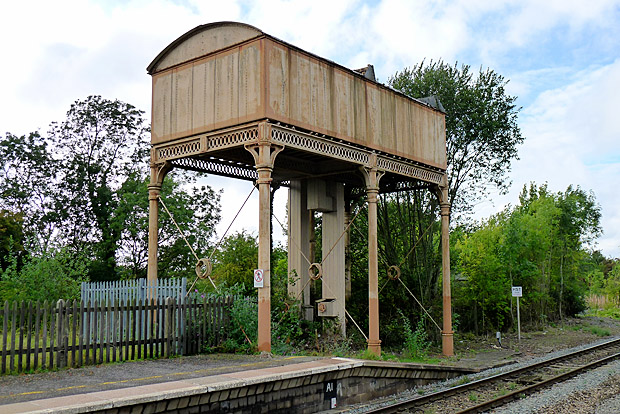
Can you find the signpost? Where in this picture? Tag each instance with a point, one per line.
(259, 278)
(517, 292)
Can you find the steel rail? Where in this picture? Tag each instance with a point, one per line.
(530, 389)
(439, 395)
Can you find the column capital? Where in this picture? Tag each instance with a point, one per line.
(372, 176)
(158, 173)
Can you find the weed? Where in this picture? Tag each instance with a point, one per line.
(473, 397)
(416, 342)
(367, 354)
(599, 331)
(463, 380)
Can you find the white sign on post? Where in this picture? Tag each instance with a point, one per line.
(517, 292)
(258, 278)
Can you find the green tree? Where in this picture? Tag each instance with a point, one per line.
(100, 144)
(235, 260)
(579, 224)
(11, 237)
(50, 276)
(540, 244)
(83, 189)
(27, 187)
(196, 211)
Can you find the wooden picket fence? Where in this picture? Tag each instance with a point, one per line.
(73, 334)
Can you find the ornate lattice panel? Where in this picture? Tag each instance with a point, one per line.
(319, 145)
(218, 167)
(180, 150)
(409, 170)
(323, 146)
(206, 142)
(231, 138)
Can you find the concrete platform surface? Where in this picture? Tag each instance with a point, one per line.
(244, 379)
(94, 378)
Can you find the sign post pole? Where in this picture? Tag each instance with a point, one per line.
(518, 321)
(517, 291)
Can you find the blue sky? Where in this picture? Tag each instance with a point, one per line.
(562, 58)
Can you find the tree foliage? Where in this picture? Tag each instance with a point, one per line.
(82, 190)
(542, 244)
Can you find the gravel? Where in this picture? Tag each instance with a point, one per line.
(580, 394)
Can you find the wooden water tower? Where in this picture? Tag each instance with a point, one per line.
(229, 99)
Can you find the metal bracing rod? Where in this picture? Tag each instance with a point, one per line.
(232, 222)
(416, 299)
(186, 242)
(345, 309)
(400, 280)
(415, 244)
(296, 246)
(343, 233)
(214, 249)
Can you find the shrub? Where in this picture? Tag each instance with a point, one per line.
(48, 277)
(416, 342)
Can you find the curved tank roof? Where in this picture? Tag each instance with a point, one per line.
(201, 41)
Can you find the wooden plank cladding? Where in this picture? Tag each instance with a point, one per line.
(228, 74)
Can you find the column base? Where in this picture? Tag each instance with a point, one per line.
(374, 346)
(447, 343)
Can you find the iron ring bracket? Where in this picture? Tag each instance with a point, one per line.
(203, 268)
(393, 272)
(315, 271)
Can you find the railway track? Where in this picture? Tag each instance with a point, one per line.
(491, 392)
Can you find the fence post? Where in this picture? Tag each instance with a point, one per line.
(60, 359)
(5, 322)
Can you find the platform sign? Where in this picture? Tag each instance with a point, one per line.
(517, 291)
(330, 392)
(259, 280)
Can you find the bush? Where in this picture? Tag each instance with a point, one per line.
(48, 277)
(416, 342)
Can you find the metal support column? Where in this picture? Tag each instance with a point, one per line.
(372, 177)
(158, 173)
(264, 156)
(447, 335)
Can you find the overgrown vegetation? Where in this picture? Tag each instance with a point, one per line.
(540, 244)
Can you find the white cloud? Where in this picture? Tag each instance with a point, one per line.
(572, 139)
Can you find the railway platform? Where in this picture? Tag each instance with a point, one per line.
(215, 383)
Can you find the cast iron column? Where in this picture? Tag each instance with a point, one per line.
(447, 335)
(158, 172)
(372, 177)
(264, 156)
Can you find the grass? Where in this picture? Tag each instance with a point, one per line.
(595, 330)
(599, 331)
(464, 380)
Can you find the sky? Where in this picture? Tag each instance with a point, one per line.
(561, 57)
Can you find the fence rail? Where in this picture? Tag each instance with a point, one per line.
(44, 335)
(138, 289)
